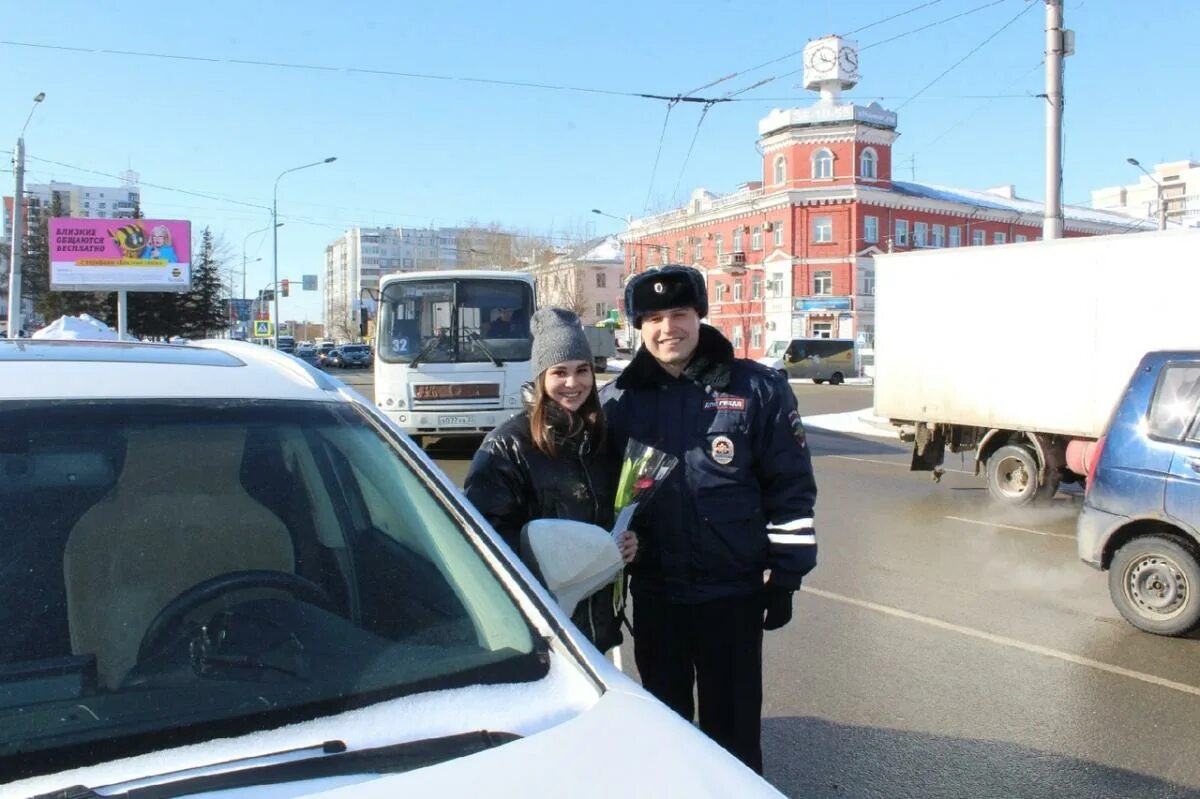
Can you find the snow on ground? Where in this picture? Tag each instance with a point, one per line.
(860, 423)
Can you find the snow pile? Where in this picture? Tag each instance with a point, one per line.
(79, 328)
(859, 423)
(983, 199)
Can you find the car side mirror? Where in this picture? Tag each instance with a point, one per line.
(573, 559)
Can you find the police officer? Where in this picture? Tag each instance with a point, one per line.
(729, 535)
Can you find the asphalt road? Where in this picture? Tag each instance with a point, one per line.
(947, 648)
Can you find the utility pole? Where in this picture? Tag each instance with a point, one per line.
(1059, 44)
(18, 231)
(18, 242)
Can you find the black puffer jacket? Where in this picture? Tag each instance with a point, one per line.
(512, 482)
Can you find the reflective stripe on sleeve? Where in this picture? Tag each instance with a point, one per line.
(793, 525)
(790, 539)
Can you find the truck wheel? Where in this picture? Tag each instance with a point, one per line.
(1012, 475)
(1152, 580)
(837, 379)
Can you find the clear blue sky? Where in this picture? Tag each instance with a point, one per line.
(418, 152)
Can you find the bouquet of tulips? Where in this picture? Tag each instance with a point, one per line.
(642, 471)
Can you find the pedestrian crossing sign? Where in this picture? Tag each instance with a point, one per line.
(263, 328)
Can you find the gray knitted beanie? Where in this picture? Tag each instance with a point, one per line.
(557, 336)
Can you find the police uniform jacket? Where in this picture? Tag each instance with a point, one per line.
(741, 499)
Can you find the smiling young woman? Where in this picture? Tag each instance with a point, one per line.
(551, 462)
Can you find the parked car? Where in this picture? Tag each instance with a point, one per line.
(227, 573)
(1141, 513)
(333, 360)
(323, 349)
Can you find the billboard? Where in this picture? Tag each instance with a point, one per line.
(239, 310)
(120, 254)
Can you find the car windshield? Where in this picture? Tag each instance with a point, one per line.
(459, 320)
(777, 349)
(174, 567)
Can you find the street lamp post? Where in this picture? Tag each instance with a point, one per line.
(275, 235)
(18, 234)
(1162, 207)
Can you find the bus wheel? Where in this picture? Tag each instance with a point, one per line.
(837, 379)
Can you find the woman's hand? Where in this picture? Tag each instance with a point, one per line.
(627, 543)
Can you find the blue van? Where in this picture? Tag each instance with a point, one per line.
(1141, 513)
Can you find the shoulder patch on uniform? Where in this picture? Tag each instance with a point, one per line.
(797, 426)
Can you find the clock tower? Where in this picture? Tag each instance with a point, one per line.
(830, 65)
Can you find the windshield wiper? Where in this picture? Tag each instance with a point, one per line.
(486, 351)
(428, 348)
(330, 759)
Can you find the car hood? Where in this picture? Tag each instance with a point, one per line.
(574, 742)
(626, 744)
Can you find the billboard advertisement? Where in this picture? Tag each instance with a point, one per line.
(120, 254)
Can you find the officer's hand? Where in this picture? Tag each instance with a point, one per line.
(778, 604)
(627, 543)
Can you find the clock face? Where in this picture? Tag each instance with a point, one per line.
(822, 59)
(849, 60)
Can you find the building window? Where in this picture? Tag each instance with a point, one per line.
(679, 251)
(920, 234)
(868, 164)
(939, 236)
(699, 250)
(822, 229)
(871, 229)
(737, 240)
(721, 292)
(756, 238)
(998, 238)
(737, 337)
(601, 280)
(777, 284)
(756, 336)
(978, 238)
(601, 311)
(756, 287)
(901, 232)
(778, 234)
(822, 164)
(822, 282)
(780, 170)
(868, 283)
(719, 245)
(737, 291)
(1020, 237)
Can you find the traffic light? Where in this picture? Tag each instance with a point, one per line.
(283, 288)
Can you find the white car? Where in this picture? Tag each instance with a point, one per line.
(225, 572)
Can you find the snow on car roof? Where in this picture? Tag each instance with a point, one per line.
(112, 369)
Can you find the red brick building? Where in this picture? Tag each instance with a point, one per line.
(791, 254)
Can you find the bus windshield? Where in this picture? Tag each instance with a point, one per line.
(455, 320)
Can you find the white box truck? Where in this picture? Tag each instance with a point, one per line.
(1019, 352)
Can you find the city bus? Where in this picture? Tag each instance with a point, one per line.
(452, 349)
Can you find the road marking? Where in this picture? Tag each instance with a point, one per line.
(1010, 527)
(1012, 643)
(889, 463)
